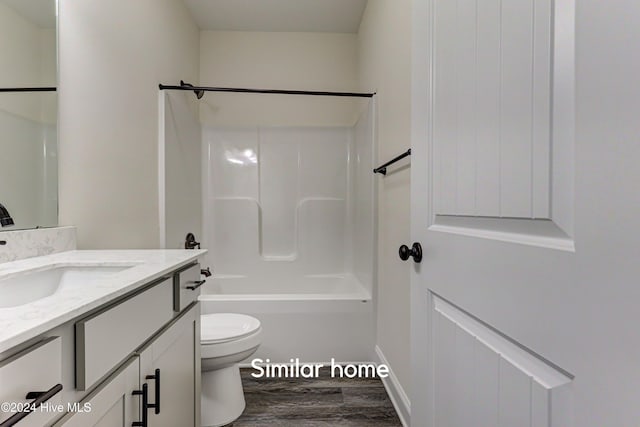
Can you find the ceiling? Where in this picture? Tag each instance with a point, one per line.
(331, 16)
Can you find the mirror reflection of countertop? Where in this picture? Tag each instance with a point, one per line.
(139, 267)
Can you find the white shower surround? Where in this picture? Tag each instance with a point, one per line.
(344, 287)
(289, 223)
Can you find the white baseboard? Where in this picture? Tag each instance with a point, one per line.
(396, 393)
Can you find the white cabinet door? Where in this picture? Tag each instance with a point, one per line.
(174, 356)
(525, 153)
(113, 404)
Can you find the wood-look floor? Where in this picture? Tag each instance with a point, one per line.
(317, 402)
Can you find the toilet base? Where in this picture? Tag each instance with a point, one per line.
(222, 396)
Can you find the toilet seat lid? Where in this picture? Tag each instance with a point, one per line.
(221, 327)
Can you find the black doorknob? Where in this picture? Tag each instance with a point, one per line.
(415, 252)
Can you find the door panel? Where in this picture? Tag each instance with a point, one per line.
(486, 381)
(492, 104)
(552, 316)
(482, 378)
(515, 399)
(488, 118)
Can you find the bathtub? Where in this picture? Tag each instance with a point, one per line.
(313, 318)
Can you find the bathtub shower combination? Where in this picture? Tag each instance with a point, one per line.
(289, 224)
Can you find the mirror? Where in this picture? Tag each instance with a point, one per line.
(28, 128)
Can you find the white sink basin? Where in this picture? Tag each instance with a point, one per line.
(31, 286)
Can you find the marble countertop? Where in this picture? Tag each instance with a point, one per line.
(21, 323)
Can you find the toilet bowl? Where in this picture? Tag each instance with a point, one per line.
(225, 340)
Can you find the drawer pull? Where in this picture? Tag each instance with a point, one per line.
(156, 404)
(196, 284)
(145, 405)
(39, 398)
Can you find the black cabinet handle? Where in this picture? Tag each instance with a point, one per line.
(196, 284)
(156, 404)
(145, 405)
(39, 398)
(415, 252)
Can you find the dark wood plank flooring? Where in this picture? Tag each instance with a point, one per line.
(316, 402)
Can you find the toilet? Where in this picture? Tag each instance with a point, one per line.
(225, 340)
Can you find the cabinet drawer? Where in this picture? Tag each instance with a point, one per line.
(37, 369)
(186, 287)
(108, 337)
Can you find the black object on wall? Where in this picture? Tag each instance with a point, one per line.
(199, 91)
(28, 89)
(190, 242)
(5, 217)
(383, 168)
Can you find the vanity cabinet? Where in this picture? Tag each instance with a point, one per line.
(135, 361)
(157, 387)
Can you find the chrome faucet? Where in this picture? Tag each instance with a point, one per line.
(5, 217)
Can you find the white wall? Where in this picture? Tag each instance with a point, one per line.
(271, 60)
(181, 174)
(384, 61)
(112, 57)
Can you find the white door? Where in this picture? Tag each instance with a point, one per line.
(525, 178)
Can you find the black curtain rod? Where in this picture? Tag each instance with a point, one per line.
(272, 91)
(28, 89)
(383, 168)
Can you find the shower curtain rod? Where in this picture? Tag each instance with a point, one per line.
(271, 91)
(27, 89)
